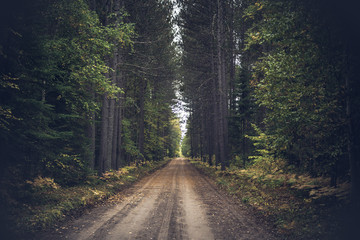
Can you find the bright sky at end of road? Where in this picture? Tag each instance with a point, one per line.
(179, 110)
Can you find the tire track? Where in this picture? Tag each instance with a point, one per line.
(133, 221)
(164, 229)
(229, 220)
(101, 219)
(175, 202)
(197, 224)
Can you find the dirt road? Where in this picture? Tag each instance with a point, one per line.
(175, 202)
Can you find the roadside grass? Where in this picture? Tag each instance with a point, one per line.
(300, 207)
(41, 203)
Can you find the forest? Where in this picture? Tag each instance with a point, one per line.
(274, 84)
(92, 86)
(86, 86)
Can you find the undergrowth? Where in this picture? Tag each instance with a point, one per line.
(299, 206)
(40, 203)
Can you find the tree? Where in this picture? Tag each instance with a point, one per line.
(205, 78)
(303, 81)
(149, 70)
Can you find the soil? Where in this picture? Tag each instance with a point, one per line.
(176, 202)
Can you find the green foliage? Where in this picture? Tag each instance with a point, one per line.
(6, 114)
(174, 138)
(242, 112)
(185, 146)
(297, 82)
(128, 143)
(148, 83)
(66, 169)
(83, 48)
(265, 146)
(52, 69)
(55, 70)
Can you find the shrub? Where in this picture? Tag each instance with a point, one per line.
(67, 169)
(40, 183)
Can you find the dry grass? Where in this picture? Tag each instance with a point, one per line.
(40, 203)
(301, 207)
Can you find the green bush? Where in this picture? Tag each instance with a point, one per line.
(67, 169)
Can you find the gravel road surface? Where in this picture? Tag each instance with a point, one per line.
(176, 202)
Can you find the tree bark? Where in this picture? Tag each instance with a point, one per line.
(110, 135)
(115, 136)
(141, 119)
(91, 133)
(222, 87)
(121, 84)
(103, 135)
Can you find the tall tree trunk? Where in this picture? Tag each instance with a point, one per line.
(103, 135)
(141, 119)
(91, 133)
(108, 110)
(222, 87)
(115, 133)
(191, 136)
(111, 116)
(119, 155)
(231, 55)
(215, 104)
(116, 156)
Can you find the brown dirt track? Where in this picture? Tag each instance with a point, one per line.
(176, 202)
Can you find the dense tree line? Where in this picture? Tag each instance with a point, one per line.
(204, 84)
(85, 86)
(273, 82)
